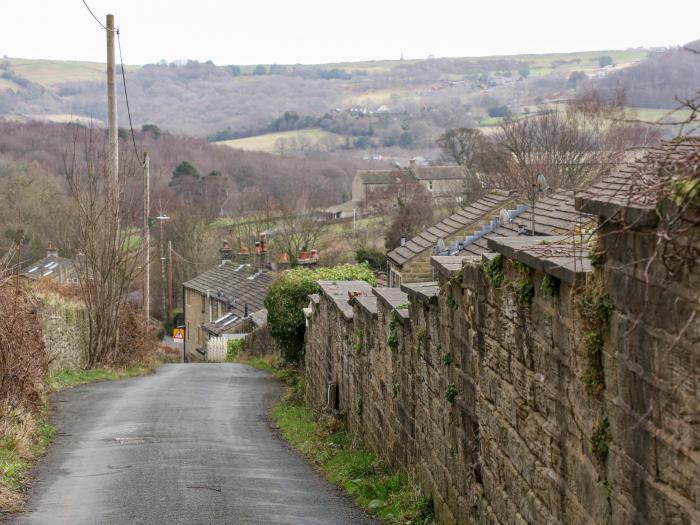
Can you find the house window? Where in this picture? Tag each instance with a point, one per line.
(430, 185)
(204, 303)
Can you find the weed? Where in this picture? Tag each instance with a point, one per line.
(524, 292)
(521, 268)
(600, 440)
(550, 286)
(457, 277)
(393, 339)
(447, 359)
(359, 406)
(596, 254)
(452, 303)
(72, 377)
(593, 377)
(357, 348)
(494, 271)
(451, 393)
(395, 389)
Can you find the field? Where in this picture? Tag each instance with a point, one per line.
(49, 73)
(268, 141)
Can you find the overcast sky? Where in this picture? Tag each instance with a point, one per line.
(320, 31)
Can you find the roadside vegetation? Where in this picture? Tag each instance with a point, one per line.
(387, 493)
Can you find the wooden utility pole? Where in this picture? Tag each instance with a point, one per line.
(113, 139)
(162, 276)
(170, 280)
(146, 237)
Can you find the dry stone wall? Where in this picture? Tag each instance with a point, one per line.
(502, 409)
(65, 330)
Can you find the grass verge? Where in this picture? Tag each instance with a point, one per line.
(25, 435)
(73, 377)
(388, 494)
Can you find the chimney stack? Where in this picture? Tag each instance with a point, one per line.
(283, 263)
(225, 253)
(412, 163)
(403, 239)
(51, 251)
(258, 255)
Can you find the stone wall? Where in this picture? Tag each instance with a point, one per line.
(489, 402)
(65, 330)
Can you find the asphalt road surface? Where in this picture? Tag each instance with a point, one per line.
(191, 444)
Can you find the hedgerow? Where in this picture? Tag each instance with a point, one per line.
(288, 296)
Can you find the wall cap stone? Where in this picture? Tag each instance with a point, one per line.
(555, 255)
(423, 292)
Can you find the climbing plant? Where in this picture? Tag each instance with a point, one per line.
(288, 296)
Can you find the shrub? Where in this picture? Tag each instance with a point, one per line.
(376, 259)
(289, 294)
(233, 347)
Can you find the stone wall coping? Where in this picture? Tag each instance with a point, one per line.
(630, 213)
(446, 265)
(553, 255)
(424, 292)
(341, 292)
(391, 297)
(366, 302)
(315, 298)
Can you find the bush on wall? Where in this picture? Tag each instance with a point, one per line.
(288, 296)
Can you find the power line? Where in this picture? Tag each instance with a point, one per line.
(126, 96)
(97, 19)
(126, 93)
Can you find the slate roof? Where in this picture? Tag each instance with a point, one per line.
(555, 214)
(380, 176)
(415, 173)
(52, 267)
(474, 213)
(439, 172)
(631, 190)
(238, 282)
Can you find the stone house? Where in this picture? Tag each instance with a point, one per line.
(369, 186)
(225, 299)
(53, 267)
(467, 232)
(411, 261)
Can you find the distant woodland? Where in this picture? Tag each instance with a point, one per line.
(391, 104)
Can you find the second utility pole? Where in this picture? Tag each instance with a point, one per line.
(146, 237)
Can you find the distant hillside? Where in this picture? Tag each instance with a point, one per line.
(399, 103)
(658, 81)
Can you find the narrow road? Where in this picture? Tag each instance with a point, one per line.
(190, 444)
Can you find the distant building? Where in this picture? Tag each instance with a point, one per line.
(224, 299)
(440, 181)
(52, 267)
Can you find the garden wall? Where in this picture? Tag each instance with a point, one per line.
(518, 401)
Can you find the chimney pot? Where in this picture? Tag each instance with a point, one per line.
(284, 258)
(258, 248)
(403, 239)
(51, 251)
(303, 256)
(244, 249)
(314, 255)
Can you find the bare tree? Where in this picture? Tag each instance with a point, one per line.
(463, 145)
(110, 252)
(572, 148)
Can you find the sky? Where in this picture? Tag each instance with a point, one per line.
(323, 31)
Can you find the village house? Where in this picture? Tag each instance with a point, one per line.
(53, 267)
(440, 181)
(467, 231)
(222, 300)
